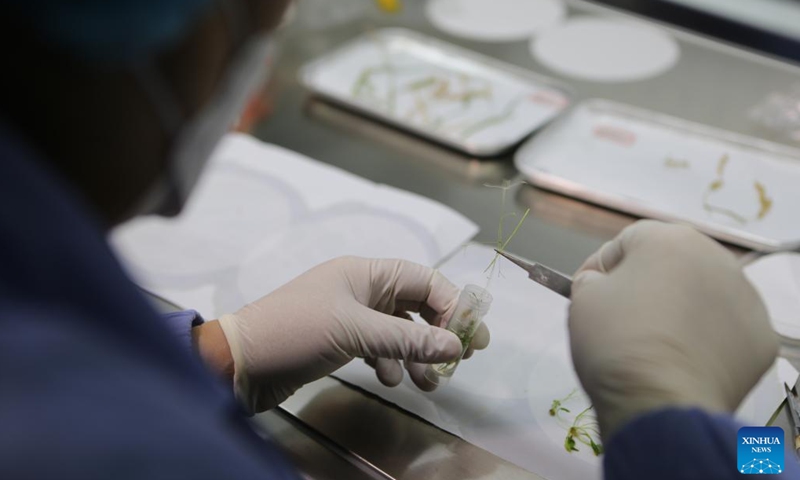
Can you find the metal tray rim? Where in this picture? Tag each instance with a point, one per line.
(487, 150)
(553, 183)
(557, 184)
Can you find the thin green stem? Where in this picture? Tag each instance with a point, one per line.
(491, 120)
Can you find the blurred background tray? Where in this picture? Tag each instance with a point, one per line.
(736, 188)
(447, 94)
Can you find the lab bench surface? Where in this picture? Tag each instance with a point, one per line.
(343, 432)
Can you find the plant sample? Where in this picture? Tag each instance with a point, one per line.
(764, 201)
(676, 163)
(502, 241)
(582, 429)
(474, 301)
(557, 406)
(473, 304)
(492, 120)
(434, 98)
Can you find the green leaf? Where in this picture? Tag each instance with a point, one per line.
(569, 444)
(596, 448)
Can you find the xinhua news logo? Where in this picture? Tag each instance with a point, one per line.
(760, 450)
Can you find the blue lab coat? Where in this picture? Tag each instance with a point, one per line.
(680, 444)
(93, 385)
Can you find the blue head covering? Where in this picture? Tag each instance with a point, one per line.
(106, 30)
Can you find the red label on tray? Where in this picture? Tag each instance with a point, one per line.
(549, 98)
(615, 134)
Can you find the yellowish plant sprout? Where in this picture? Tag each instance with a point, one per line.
(676, 163)
(764, 201)
(763, 198)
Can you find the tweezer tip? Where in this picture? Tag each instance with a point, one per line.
(515, 260)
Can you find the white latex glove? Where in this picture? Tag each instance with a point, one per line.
(345, 308)
(663, 316)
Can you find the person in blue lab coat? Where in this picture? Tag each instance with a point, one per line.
(109, 110)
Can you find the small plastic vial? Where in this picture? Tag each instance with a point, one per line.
(473, 303)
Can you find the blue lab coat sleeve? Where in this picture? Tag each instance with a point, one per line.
(80, 402)
(180, 324)
(680, 444)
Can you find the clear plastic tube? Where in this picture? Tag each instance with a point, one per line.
(473, 304)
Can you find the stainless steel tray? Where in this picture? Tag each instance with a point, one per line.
(445, 93)
(736, 188)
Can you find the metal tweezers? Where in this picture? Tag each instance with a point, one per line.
(555, 281)
(794, 409)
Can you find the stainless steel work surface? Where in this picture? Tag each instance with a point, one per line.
(386, 442)
(711, 84)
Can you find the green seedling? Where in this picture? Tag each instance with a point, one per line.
(502, 241)
(583, 429)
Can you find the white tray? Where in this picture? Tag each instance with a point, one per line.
(448, 94)
(662, 167)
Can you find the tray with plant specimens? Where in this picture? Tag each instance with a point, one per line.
(736, 188)
(445, 93)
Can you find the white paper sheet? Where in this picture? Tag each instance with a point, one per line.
(499, 400)
(262, 214)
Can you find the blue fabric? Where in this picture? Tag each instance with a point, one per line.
(678, 444)
(92, 384)
(110, 30)
(180, 324)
